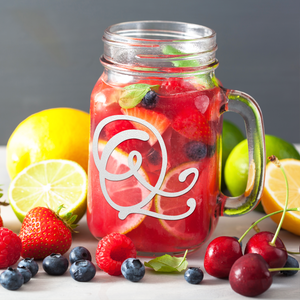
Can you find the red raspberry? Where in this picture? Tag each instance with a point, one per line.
(112, 250)
(10, 248)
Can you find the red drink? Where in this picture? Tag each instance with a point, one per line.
(191, 137)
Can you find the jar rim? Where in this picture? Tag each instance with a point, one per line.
(159, 46)
(135, 32)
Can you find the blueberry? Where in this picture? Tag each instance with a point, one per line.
(211, 149)
(26, 273)
(193, 275)
(11, 279)
(55, 264)
(290, 263)
(79, 253)
(195, 150)
(31, 264)
(149, 100)
(83, 270)
(154, 157)
(132, 269)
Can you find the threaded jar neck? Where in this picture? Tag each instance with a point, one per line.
(159, 47)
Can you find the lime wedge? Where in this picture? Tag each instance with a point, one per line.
(49, 183)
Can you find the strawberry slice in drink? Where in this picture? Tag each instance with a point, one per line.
(159, 121)
(118, 126)
(195, 126)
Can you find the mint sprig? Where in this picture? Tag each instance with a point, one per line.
(133, 94)
(168, 263)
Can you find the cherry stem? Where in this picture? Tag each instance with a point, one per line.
(274, 159)
(291, 252)
(266, 216)
(283, 269)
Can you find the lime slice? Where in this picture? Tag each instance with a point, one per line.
(49, 183)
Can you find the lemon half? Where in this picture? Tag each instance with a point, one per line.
(274, 193)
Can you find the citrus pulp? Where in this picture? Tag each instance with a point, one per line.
(274, 193)
(49, 183)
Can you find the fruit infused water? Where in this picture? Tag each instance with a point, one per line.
(190, 140)
(155, 139)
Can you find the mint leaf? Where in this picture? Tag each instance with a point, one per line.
(168, 263)
(133, 94)
(169, 50)
(202, 79)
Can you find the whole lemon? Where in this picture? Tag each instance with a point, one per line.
(236, 167)
(56, 133)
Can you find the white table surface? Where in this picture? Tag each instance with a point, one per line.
(153, 285)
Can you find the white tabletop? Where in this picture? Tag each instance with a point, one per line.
(153, 285)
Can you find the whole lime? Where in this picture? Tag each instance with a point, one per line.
(236, 167)
(231, 136)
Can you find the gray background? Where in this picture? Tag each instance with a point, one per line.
(49, 52)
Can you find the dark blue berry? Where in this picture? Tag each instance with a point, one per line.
(149, 100)
(195, 150)
(132, 269)
(83, 270)
(11, 279)
(26, 273)
(79, 253)
(55, 264)
(290, 263)
(193, 275)
(211, 149)
(31, 264)
(154, 157)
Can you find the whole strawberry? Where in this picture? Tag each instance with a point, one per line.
(10, 248)
(43, 232)
(1, 222)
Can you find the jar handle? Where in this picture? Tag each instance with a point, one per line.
(247, 107)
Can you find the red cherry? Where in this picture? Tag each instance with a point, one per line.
(220, 255)
(249, 275)
(275, 256)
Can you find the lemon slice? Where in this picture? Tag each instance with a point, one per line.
(274, 193)
(50, 183)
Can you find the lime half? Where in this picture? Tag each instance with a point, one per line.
(49, 183)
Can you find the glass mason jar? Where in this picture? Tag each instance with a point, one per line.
(155, 139)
